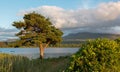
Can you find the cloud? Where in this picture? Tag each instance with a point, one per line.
(104, 18)
(109, 11)
(6, 34)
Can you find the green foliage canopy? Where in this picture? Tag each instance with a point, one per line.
(100, 55)
(37, 29)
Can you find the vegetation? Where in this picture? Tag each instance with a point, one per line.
(3, 44)
(11, 63)
(118, 41)
(36, 29)
(67, 45)
(100, 55)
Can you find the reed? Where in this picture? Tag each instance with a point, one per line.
(12, 63)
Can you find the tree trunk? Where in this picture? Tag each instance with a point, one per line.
(41, 51)
(41, 48)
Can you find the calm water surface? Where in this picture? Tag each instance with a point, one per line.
(33, 53)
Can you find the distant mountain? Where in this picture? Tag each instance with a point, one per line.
(88, 35)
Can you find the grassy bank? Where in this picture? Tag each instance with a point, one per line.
(10, 63)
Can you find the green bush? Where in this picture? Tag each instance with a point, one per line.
(100, 55)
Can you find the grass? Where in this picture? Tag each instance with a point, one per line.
(11, 63)
(51, 65)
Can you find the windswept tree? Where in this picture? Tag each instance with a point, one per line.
(36, 29)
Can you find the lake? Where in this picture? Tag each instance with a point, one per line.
(33, 53)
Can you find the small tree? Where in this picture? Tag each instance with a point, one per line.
(36, 29)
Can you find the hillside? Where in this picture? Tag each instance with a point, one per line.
(83, 36)
(88, 35)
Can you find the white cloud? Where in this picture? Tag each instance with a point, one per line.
(108, 11)
(104, 18)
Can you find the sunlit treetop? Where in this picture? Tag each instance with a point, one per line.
(37, 29)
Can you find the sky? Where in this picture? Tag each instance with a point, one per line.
(71, 16)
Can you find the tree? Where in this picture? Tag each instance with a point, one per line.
(36, 29)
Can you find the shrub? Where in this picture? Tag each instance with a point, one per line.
(100, 55)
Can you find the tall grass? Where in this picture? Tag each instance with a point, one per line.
(11, 63)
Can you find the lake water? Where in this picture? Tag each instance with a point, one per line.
(33, 53)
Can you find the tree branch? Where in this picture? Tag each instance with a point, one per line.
(47, 45)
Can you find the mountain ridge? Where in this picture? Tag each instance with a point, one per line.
(90, 35)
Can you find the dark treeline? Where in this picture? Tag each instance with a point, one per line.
(17, 44)
(3, 44)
